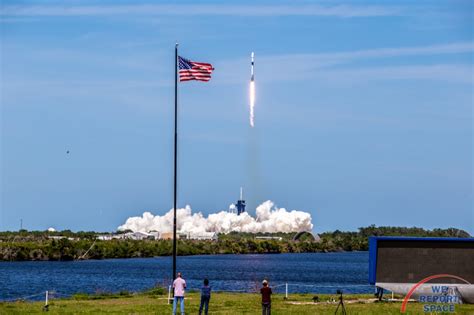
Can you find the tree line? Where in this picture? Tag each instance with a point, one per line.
(37, 245)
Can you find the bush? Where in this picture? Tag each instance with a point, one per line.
(156, 291)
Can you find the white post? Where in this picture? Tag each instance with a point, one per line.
(169, 295)
(286, 290)
(46, 306)
(392, 295)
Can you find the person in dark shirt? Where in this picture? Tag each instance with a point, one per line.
(266, 293)
(205, 297)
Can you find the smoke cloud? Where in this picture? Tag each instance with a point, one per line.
(269, 219)
(252, 103)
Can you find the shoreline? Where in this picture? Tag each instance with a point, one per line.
(191, 255)
(70, 246)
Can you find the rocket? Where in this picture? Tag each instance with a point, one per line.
(251, 67)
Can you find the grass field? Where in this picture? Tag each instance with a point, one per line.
(221, 303)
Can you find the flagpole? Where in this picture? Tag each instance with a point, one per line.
(175, 155)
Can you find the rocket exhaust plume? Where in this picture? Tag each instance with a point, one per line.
(269, 219)
(252, 91)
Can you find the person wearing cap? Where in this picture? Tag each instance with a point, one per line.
(266, 293)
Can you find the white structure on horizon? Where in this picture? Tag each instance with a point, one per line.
(212, 236)
(154, 235)
(278, 238)
(138, 236)
(105, 237)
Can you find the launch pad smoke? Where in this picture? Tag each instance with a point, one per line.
(270, 219)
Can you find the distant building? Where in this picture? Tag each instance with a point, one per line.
(167, 236)
(105, 237)
(305, 234)
(60, 237)
(154, 235)
(212, 236)
(137, 236)
(190, 236)
(278, 238)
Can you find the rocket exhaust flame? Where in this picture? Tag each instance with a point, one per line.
(252, 102)
(252, 91)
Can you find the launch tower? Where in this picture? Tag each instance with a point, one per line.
(240, 203)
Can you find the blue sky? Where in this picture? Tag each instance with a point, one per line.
(363, 112)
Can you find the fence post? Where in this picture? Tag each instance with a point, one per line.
(46, 306)
(169, 295)
(286, 290)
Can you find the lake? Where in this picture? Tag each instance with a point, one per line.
(305, 273)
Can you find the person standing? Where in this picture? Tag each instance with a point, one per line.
(205, 297)
(266, 293)
(179, 285)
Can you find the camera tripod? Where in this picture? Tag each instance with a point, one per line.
(341, 304)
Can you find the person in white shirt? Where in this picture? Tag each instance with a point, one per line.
(179, 285)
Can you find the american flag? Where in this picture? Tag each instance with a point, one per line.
(191, 70)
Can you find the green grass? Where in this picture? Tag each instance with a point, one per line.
(221, 303)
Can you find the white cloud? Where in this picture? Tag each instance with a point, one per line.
(268, 219)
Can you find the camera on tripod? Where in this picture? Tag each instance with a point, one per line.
(341, 303)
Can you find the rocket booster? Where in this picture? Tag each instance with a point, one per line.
(251, 67)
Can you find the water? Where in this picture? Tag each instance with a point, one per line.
(305, 273)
